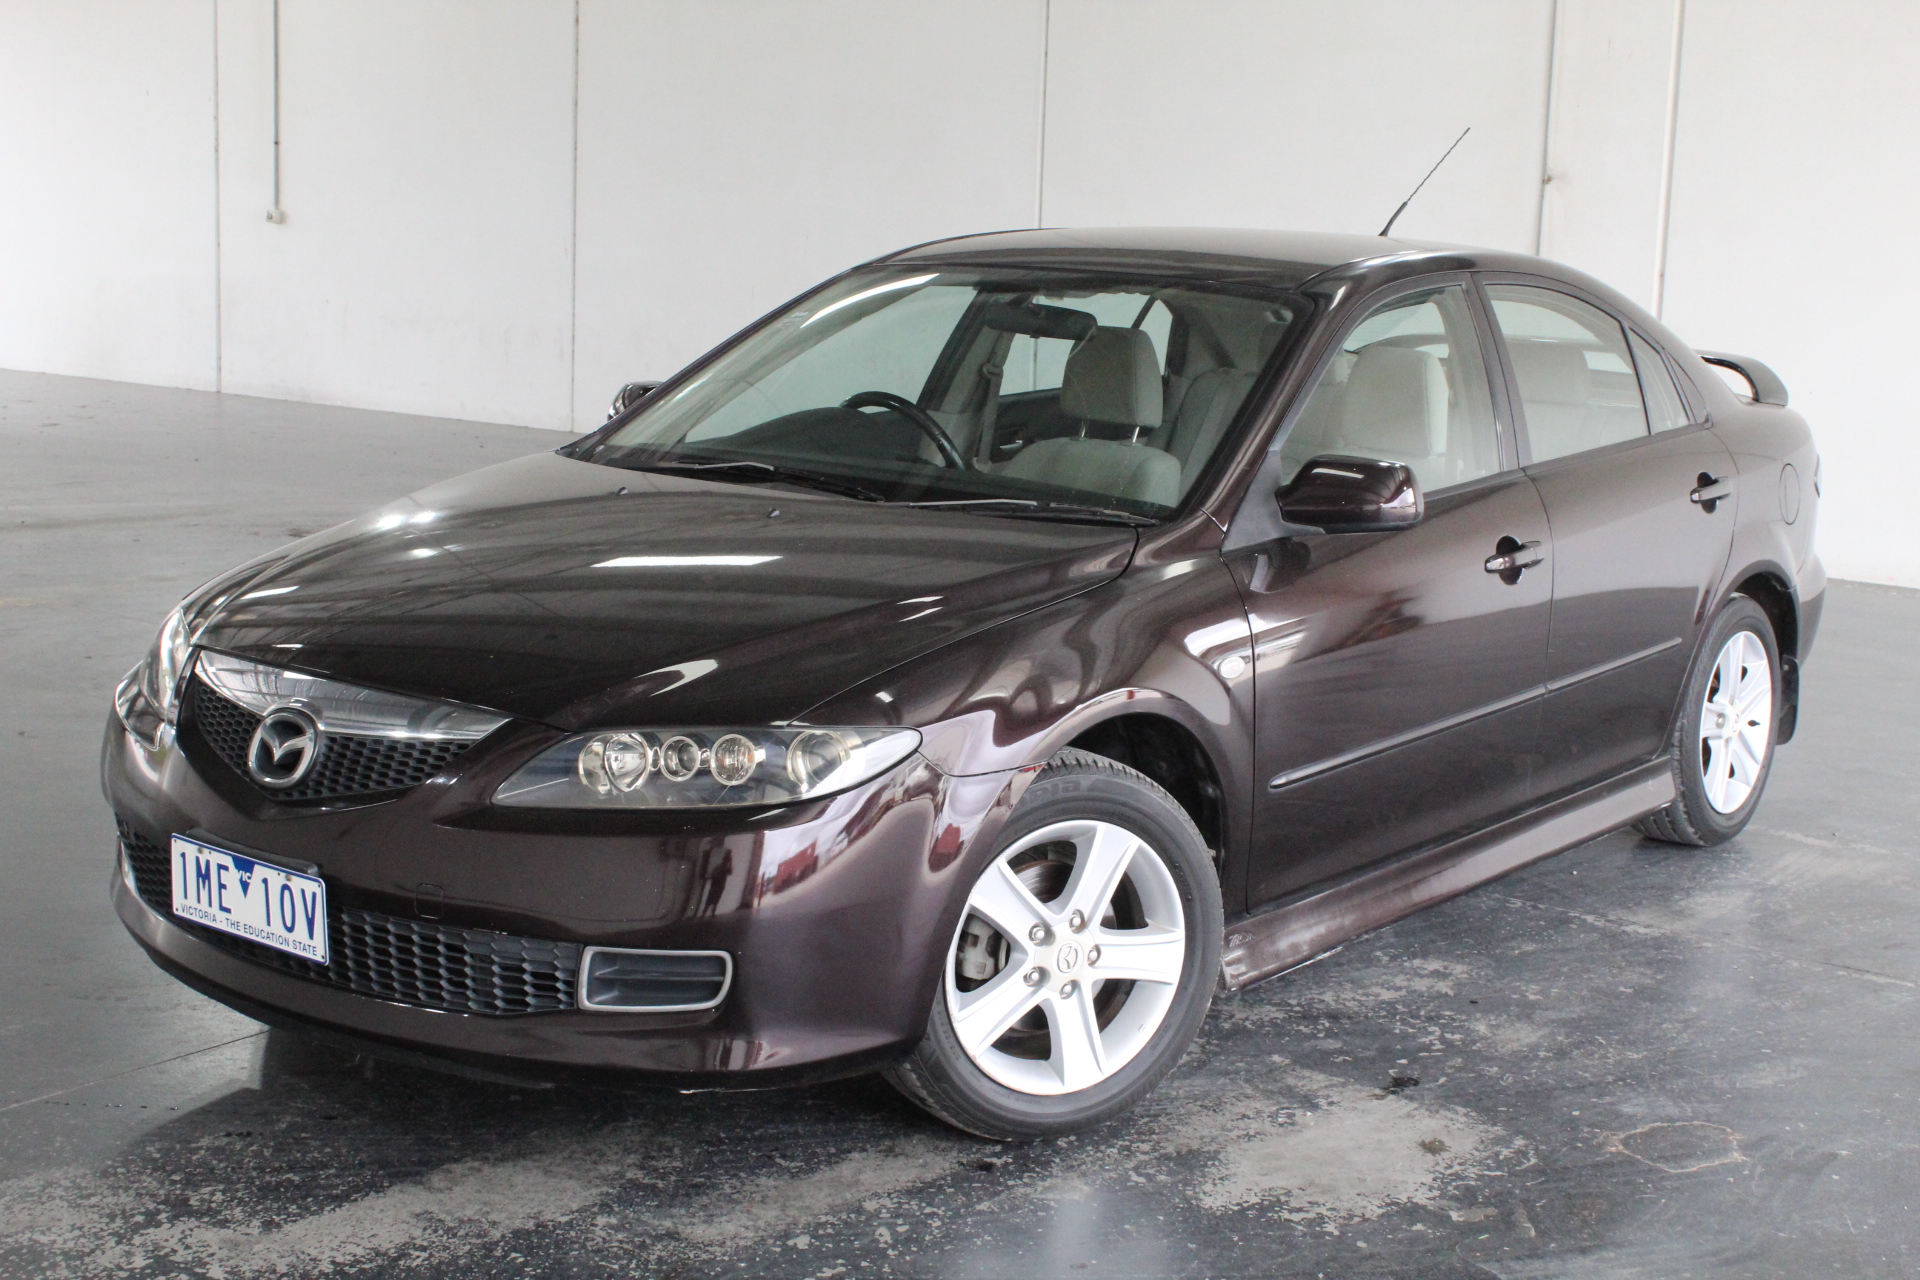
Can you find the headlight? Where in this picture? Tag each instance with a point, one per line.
(168, 663)
(703, 768)
(149, 697)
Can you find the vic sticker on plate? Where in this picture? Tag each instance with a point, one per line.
(250, 899)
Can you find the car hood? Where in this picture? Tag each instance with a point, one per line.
(583, 595)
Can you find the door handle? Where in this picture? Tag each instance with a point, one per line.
(1708, 491)
(1510, 557)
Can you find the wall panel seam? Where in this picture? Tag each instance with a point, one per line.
(573, 242)
(219, 288)
(1546, 132)
(1666, 161)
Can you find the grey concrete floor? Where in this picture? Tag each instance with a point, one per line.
(1633, 1060)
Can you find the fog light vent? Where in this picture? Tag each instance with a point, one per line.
(617, 980)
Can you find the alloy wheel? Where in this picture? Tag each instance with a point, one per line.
(1736, 722)
(1067, 958)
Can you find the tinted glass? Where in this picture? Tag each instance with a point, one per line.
(1577, 383)
(1047, 390)
(1665, 409)
(1408, 385)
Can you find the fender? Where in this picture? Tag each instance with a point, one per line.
(1168, 639)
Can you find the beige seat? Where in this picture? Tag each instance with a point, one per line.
(1395, 406)
(1566, 412)
(1111, 467)
(1205, 410)
(1112, 378)
(1392, 405)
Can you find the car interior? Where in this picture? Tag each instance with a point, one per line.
(1576, 375)
(1136, 409)
(1113, 396)
(1407, 385)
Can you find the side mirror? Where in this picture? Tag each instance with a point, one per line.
(628, 396)
(1338, 494)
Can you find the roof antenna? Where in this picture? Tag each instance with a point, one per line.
(1423, 182)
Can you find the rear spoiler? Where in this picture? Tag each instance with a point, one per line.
(1766, 384)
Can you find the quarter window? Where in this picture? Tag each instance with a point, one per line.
(1665, 409)
(1576, 374)
(1408, 385)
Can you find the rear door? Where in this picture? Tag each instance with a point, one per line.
(1636, 556)
(1397, 679)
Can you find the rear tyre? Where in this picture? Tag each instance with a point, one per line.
(1723, 741)
(1083, 964)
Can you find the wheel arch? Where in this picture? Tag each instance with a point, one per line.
(1772, 589)
(1167, 751)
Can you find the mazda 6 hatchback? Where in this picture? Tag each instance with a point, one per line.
(972, 666)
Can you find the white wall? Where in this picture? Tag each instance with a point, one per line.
(1299, 114)
(107, 237)
(1601, 207)
(732, 155)
(500, 209)
(426, 260)
(1794, 202)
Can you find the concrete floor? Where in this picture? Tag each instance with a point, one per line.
(1634, 1060)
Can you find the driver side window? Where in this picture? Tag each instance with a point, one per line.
(1408, 385)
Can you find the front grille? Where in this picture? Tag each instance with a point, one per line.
(416, 962)
(349, 764)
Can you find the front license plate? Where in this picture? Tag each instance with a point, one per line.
(250, 899)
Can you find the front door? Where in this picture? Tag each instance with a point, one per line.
(1636, 556)
(1397, 678)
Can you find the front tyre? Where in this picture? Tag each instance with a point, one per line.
(1083, 964)
(1723, 743)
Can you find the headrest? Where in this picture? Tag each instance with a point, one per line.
(1550, 372)
(1395, 403)
(1113, 376)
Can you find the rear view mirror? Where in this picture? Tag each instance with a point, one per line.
(1338, 494)
(1038, 320)
(628, 396)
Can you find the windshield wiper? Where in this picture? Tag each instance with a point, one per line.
(1031, 509)
(787, 475)
(973, 502)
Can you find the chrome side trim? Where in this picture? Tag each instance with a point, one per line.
(340, 707)
(1614, 664)
(1318, 920)
(1465, 717)
(586, 968)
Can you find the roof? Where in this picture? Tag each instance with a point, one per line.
(1280, 257)
(1283, 258)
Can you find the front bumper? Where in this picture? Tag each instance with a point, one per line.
(835, 913)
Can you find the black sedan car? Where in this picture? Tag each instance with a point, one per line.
(972, 665)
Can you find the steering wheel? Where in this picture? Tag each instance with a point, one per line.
(949, 452)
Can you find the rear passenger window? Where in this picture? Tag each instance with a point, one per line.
(1665, 409)
(1576, 374)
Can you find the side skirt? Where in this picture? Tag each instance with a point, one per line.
(1320, 919)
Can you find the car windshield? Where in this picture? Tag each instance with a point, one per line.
(1009, 392)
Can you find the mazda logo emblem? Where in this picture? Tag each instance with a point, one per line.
(284, 747)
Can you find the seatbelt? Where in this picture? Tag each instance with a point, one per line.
(991, 373)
